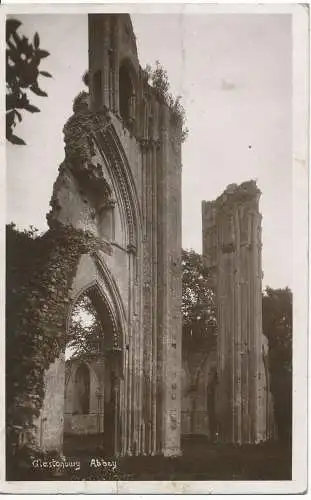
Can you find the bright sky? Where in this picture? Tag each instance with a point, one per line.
(234, 73)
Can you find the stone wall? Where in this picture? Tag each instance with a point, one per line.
(91, 422)
(198, 384)
(49, 435)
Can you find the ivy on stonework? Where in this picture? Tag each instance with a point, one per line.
(157, 78)
(40, 271)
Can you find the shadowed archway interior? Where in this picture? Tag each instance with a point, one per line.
(92, 376)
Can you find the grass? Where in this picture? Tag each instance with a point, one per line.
(201, 460)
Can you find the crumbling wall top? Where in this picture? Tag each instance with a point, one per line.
(234, 194)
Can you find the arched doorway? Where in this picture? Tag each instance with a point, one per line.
(92, 413)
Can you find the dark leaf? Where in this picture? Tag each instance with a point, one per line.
(26, 47)
(42, 53)
(45, 73)
(16, 140)
(36, 41)
(11, 101)
(31, 108)
(13, 53)
(36, 90)
(11, 25)
(10, 117)
(17, 39)
(19, 116)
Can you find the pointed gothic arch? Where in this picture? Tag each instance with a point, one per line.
(107, 303)
(108, 306)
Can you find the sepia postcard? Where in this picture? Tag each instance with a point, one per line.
(155, 251)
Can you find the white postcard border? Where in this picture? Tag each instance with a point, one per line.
(301, 86)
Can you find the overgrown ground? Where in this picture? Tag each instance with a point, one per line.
(201, 460)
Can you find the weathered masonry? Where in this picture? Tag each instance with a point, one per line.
(232, 251)
(121, 180)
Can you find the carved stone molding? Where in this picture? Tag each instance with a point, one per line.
(110, 145)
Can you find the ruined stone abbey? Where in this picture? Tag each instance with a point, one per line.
(121, 181)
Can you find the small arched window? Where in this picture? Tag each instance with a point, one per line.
(82, 390)
(126, 93)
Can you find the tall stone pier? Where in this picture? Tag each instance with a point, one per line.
(232, 251)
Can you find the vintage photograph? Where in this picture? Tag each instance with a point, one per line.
(149, 246)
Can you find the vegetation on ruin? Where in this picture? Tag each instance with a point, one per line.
(198, 303)
(37, 300)
(23, 59)
(85, 335)
(158, 80)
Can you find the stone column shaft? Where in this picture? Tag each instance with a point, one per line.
(235, 261)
